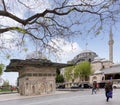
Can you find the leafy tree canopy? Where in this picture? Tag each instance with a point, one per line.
(59, 78)
(1, 68)
(6, 83)
(69, 73)
(83, 69)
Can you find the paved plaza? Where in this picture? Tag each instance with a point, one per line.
(62, 98)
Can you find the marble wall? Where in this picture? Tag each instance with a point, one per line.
(37, 81)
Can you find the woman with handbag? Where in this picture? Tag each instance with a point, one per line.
(108, 90)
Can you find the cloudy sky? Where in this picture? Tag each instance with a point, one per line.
(98, 44)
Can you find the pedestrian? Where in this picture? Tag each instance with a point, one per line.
(108, 90)
(94, 87)
(97, 86)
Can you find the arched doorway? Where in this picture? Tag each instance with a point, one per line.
(33, 89)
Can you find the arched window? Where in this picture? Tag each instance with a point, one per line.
(103, 67)
(89, 60)
(33, 89)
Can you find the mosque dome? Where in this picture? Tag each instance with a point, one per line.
(86, 51)
(85, 55)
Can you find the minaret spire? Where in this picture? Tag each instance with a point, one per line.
(111, 42)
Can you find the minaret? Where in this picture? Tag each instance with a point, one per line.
(111, 42)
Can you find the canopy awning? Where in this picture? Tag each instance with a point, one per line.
(17, 64)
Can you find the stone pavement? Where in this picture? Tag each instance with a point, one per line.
(63, 98)
(13, 96)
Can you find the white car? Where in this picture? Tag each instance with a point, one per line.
(116, 86)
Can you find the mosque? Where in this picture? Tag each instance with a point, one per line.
(102, 68)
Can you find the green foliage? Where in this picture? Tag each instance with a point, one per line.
(99, 30)
(19, 30)
(6, 83)
(5, 86)
(59, 78)
(25, 49)
(1, 68)
(58, 72)
(69, 73)
(83, 69)
(8, 56)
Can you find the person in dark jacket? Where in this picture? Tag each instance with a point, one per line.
(94, 87)
(108, 90)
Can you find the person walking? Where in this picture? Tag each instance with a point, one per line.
(94, 87)
(108, 90)
(97, 86)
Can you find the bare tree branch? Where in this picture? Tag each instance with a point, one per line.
(62, 19)
(4, 5)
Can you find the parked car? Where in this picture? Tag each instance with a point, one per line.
(116, 86)
(84, 85)
(60, 87)
(75, 87)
